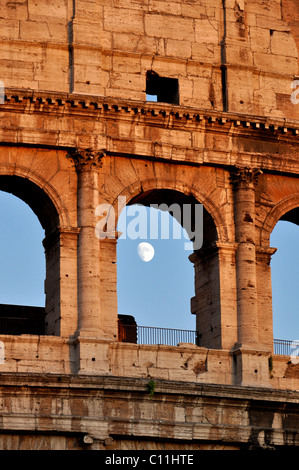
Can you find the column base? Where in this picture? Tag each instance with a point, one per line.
(251, 367)
(253, 347)
(91, 354)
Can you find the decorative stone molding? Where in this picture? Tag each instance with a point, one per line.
(94, 105)
(57, 233)
(265, 253)
(212, 250)
(86, 159)
(245, 177)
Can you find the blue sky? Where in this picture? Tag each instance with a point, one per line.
(22, 263)
(158, 292)
(285, 280)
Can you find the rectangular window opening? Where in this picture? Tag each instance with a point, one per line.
(161, 89)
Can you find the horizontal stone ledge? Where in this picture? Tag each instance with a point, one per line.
(105, 383)
(145, 150)
(102, 428)
(154, 110)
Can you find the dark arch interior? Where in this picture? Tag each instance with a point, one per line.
(35, 197)
(292, 216)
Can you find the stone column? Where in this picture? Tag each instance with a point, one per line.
(214, 302)
(206, 302)
(61, 281)
(52, 283)
(244, 181)
(87, 164)
(264, 292)
(68, 280)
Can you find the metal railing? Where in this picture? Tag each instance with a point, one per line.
(155, 335)
(286, 347)
(168, 336)
(151, 335)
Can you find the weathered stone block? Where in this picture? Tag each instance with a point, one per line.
(116, 19)
(283, 44)
(170, 27)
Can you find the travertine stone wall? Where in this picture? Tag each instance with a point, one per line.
(109, 413)
(185, 153)
(76, 130)
(235, 55)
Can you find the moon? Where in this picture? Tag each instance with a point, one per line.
(145, 251)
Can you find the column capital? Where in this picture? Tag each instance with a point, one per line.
(264, 253)
(245, 177)
(86, 159)
(57, 233)
(213, 249)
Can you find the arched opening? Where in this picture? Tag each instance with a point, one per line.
(285, 275)
(28, 217)
(158, 292)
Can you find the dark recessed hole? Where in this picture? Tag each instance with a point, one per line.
(162, 89)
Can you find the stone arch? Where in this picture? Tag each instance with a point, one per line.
(286, 210)
(35, 191)
(45, 202)
(135, 191)
(213, 263)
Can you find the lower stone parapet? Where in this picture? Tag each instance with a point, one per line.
(184, 363)
(50, 411)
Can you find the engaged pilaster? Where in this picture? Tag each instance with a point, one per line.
(244, 181)
(88, 163)
(214, 303)
(264, 292)
(61, 283)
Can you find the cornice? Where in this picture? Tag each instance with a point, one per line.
(86, 384)
(27, 100)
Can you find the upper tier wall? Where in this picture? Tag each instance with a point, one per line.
(241, 58)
